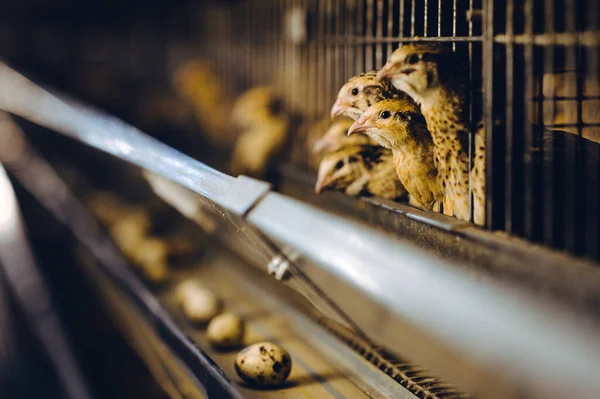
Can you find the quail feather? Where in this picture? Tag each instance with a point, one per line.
(362, 91)
(398, 126)
(434, 76)
(365, 170)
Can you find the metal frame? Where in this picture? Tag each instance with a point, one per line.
(38, 177)
(491, 341)
(533, 174)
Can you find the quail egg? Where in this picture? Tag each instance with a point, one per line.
(198, 304)
(129, 231)
(151, 251)
(264, 364)
(226, 331)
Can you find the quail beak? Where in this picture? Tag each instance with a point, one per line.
(323, 184)
(388, 71)
(322, 145)
(360, 126)
(339, 108)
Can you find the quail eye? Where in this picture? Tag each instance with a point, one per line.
(385, 114)
(355, 91)
(352, 159)
(412, 59)
(339, 165)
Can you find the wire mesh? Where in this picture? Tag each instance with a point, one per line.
(534, 68)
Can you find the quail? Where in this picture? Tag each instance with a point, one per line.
(362, 91)
(435, 78)
(259, 114)
(399, 126)
(365, 170)
(253, 106)
(336, 137)
(198, 87)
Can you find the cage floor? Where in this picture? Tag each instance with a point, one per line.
(312, 376)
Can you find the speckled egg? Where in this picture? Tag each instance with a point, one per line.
(198, 304)
(264, 364)
(226, 331)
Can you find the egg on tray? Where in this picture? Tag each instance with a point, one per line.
(263, 364)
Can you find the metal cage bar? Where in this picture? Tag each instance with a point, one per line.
(535, 149)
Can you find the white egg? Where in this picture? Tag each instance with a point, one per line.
(263, 364)
(226, 331)
(198, 304)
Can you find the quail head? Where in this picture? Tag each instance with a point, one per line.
(399, 126)
(422, 70)
(254, 106)
(362, 91)
(360, 170)
(336, 137)
(435, 78)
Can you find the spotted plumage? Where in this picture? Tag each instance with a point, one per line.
(434, 77)
(360, 170)
(362, 91)
(478, 176)
(399, 126)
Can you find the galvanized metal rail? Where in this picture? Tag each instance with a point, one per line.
(491, 341)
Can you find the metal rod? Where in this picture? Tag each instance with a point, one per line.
(401, 28)
(370, 40)
(379, 35)
(360, 39)
(322, 55)
(454, 21)
(579, 150)
(528, 93)
(313, 59)
(426, 18)
(509, 121)
(439, 19)
(21, 97)
(570, 193)
(589, 38)
(413, 19)
(549, 210)
(390, 27)
(350, 43)
(494, 167)
(369, 48)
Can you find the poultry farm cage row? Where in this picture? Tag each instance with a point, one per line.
(534, 71)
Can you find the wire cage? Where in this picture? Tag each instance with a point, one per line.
(534, 70)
